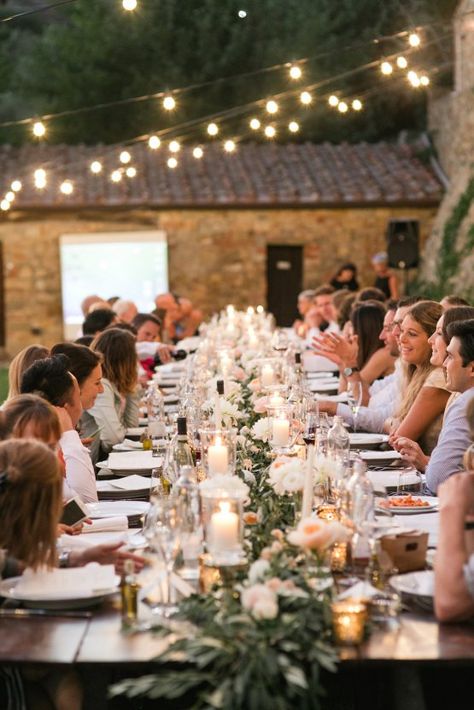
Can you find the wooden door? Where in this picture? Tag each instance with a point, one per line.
(284, 281)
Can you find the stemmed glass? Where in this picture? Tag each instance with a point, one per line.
(354, 398)
(310, 427)
(163, 532)
(280, 341)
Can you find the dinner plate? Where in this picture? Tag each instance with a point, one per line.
(432, 502)
(317, 386)
(376, 458)
(364, 439)
(321, 375)
(135, 431)
(59, 599)
(110, 509)
(128, 446)
(418, 586)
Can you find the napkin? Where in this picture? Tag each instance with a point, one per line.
(128, 483)
(66, 582)
(115, 524)
(132, 460)
(360, 590)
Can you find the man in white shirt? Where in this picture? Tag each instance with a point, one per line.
(321, 317)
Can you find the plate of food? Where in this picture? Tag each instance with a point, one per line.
(399, 504)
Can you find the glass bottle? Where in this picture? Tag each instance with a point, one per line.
(146, 440)
(180, 451)
(186, 491)
(359, 505)
(129, 588)
(338, 440)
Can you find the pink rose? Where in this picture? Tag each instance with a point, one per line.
(260, 405)
(260, 601)
(316, 534)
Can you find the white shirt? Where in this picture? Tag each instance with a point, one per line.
(80, 477)
(313, 332)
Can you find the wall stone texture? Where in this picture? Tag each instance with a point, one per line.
(216, 256)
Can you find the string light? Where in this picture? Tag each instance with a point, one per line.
(174, 147)
(116, 176)
(131, 172)
(271, 106)
(342, 107)
(125, 157)
(213, 129)
(295, 72)
(198, 152)
(4, 205)
(357, 105)
(386, 68)
(129, 5)
(293, 127)
(40, 178)
(39, 129)
(154, 142)
(333, 101)
(270, 131)
(414, 79)
(66, 187)
(96, 167)
(424, 80)
(254, 124)
(402, 63)
(242, 14)
(229, 146)
(305, 98)
(169, 103)
(16, 186)
(414, 39)
(172, 163)
(10, 196)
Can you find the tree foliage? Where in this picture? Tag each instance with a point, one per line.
(95, 53)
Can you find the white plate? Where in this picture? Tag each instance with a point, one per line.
(128, 445)
(416, 584)
(58, 600)
(322, 375)
(112, 508)
(135, 431)
(410, 510)
(380, 455)
(342, 397)
(365, 439)
(133, 461)
(317, 386)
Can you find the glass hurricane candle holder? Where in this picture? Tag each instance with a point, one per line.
(223, 528)
(348, 621)
(282, 433)
(218, 451)
(269, 371)
(338, 556)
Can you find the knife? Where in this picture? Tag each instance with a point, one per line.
(27, 613)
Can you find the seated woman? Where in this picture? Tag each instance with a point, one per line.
(117, 407)
(345, 278)
(425, 395)
(454, 565)
(362, 355)
(22, 362)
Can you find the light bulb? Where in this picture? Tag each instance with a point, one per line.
(386, 68)
(293, 126)
(169, 103)
(357, 105)
(412, 76)
(270, 131)
(39, 129)
(305, 97)
(66, 187)
(242, 14)
(333, 100)
(172, 163)
(213, 129)
(416, 83)
(40, 178)
(10, 196)
(96, 167)
(154, 142)
(16, 186)
(229, 146)
(125, 157)
(174, 147)
(402, 63)
(254, 124)
(116, 176)
(4, 205)
(424, 80)
(271, 106)
(414, 40)
(129, 5)
(295, 72)
(342, 107)
(131, 171)
(198, 152)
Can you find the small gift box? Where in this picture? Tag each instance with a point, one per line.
(407, 550)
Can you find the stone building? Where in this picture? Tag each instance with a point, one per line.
(300, 210)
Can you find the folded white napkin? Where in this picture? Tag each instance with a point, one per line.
(131, 460)
(360, 590)
(66, 582)
(127, 483)
(117, 523)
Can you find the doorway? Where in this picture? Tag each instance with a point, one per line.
(284, 282)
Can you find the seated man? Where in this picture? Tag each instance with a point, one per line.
(321, 317)
(50, 379)
(148, 345)
(168, 311)
(190, 320)
(125, 310)
(97, 321)
(305, 301)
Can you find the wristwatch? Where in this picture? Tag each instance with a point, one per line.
(348, 371)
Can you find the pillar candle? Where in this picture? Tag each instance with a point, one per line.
(218, 457)
(281, 432)
(224, 528)
(268, 375)
(307, 505)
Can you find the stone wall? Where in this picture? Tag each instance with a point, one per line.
(215, 256)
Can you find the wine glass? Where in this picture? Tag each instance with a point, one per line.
(280, 341)
(310, 426)
(163, 531)
(354, 398)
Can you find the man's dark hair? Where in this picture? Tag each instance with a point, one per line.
(371, 294)
(84, 340)
(463, 330)
(123, 326)
(50, 379)
(97, 321)
(456, 314)
(391, 304)
(408, 301)
(142, 318)
(324, 290)
(453, 300)
(82, 360)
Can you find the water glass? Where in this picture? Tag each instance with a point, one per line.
(354, 398)
(410, 481)
(162, 529)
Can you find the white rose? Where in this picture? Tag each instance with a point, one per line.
(258, 570)
(260, 601)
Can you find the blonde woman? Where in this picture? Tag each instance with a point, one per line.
(117, 407)
(22, 362)
(425, 393)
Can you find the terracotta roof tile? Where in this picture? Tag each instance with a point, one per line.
(255, 174)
